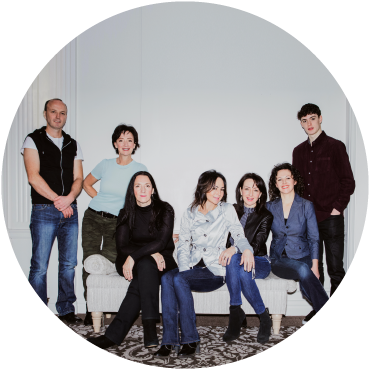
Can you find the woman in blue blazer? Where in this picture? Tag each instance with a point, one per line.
(294, 249)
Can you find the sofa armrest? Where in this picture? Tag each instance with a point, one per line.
(96, 264)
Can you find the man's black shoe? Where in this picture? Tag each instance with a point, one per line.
(70, 318)
(309, 317)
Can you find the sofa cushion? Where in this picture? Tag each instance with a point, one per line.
(272, 282)
(106, 292)
(99, 265)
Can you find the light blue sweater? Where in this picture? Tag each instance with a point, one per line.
(114, 180)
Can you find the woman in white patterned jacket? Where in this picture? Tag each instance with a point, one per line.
(202, 258)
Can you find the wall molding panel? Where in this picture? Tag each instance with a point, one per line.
(57, 79)
(357, 207)
(16, 192)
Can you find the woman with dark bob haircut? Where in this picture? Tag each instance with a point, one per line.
(204, 228)
(251, 196)
(294, 249)
(99, 221)
(145, 252)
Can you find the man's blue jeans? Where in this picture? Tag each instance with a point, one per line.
(300, 269)
(238, 281)
(47, 223)
(176, 296)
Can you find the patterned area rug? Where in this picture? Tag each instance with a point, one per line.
(214, 351)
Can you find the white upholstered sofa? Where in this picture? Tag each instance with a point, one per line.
(106, 290)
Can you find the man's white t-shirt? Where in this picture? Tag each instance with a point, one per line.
(58, 141)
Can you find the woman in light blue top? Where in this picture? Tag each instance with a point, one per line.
(202, 258)
(99, 221)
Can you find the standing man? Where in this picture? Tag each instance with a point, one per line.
(324, 165)
(53, 162)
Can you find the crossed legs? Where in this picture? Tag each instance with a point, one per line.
(288, 268)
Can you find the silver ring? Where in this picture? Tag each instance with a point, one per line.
(162, 261)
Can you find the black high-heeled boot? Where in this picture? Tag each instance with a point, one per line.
(189, 350)
(166, 350)
(101, 342)
(264, 332)
(237, 320)
(88, 318)
(150, 333)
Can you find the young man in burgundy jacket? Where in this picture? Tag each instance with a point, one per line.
(324, 165)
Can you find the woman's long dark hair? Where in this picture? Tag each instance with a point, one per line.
(205, 184)
(274, 192)
(258, 181)
(127, 213)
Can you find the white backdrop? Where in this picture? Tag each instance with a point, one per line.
(33, 31)
(207, 86)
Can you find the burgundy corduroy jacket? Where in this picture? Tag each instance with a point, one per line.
(327, 174)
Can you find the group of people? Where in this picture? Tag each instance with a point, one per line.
(218, 242)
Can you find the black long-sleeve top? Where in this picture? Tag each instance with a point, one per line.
(142, 243)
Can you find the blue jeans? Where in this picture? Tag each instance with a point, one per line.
(47, 223)
(238, 281)
(300, 269)
(176, 296)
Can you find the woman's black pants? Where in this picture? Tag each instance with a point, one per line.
(142, 294)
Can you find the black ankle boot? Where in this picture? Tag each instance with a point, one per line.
(189, 349)
(237, 319)
(101, 342)
(88, 318)
(166, 350)
(150, 333)
(309, 317)
(264, 333)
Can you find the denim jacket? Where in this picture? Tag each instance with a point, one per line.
(205, 236)
(300, 236)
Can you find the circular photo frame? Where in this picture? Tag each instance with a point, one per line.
(206, 87)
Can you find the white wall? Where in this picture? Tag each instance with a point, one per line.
(206, 87)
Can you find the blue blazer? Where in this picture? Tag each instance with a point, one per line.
(300, 235)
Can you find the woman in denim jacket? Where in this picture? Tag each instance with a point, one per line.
(294, 249)
(202, 257)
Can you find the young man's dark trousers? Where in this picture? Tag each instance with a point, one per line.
(331, 232)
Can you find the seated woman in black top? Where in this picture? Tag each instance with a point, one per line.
(145, 247)
(251, 196)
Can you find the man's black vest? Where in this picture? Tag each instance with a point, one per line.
(56, 166)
